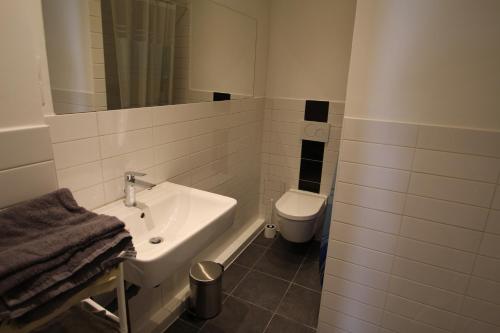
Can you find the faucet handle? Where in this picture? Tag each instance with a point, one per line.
(130, 175)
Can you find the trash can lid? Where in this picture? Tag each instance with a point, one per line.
(206, 271)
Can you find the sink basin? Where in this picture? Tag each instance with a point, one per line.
(170, 225)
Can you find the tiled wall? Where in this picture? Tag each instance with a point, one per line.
(27, 165)
(282, 144)
(211, 146)
(415, 236)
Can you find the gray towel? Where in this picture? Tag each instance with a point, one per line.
(51, 248)
(43, 233)
(54, 296)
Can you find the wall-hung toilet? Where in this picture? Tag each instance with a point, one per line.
(298, 214)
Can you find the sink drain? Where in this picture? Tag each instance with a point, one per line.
(156, 240)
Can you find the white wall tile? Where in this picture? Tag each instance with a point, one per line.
(481, 310)
(172, 150)
(91, 197)
(370, 197)
(116, 166)
(459, 140)
(27, 182)
(488, 268)
(484, 289)
(457, 165)
(172, 132)
(404, 325)
(384, 178)
(439, 298)
(357, 273)
(376, 154)
(452, 189)
(490, 245)
(371, 239)
(365, 217)
(126, 142)
(430, 275)
(287, 104)
(32, 145)
(435, 255)
(390, 133)
(72, 126)
(80, 176)
(360, 255)
(421, 312)
(356, 291)
(496, 200)
(330, 320)
(354, 308)
(72, 153)
(446, 212)
(493, 224)
(441, 234)
(469, 325)
(117, 121)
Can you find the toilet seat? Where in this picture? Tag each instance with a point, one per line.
(300, 205)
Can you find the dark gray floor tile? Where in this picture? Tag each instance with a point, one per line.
(250, 256)
(308, 275)
(180, 326)
(299, 249)
(279, 263)
(232, 276)
(280, 325)
(238, 317)
(261, 289)
(261, 240)
(301, 304)
(313, 252)
(191, 319)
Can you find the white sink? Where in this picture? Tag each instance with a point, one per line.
(185, 219)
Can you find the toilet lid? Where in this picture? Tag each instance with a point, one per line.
(299, 205)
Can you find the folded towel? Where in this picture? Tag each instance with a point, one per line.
(40, 230)
(34, 286)
(51, 298)
(50, 249)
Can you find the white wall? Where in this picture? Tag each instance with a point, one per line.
(414, 240)
(26, 166)
(309, 48)
(426, 61)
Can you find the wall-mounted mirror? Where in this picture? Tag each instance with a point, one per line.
(117, 54)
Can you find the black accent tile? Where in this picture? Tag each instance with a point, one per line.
(309, 186)
(262, 290)
(250, 256)
(280, 325)
(262, 241)
(312, 150)
(232, 276)
(280, 264)
(301, 304)
(218, 96)
(238, 316)
(310, 170)
(180, 326)
(308, 275)
(316, 111)
(297, 249)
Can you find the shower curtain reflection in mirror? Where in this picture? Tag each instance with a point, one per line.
(138, 38)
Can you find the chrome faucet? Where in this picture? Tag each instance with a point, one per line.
(130, 183)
